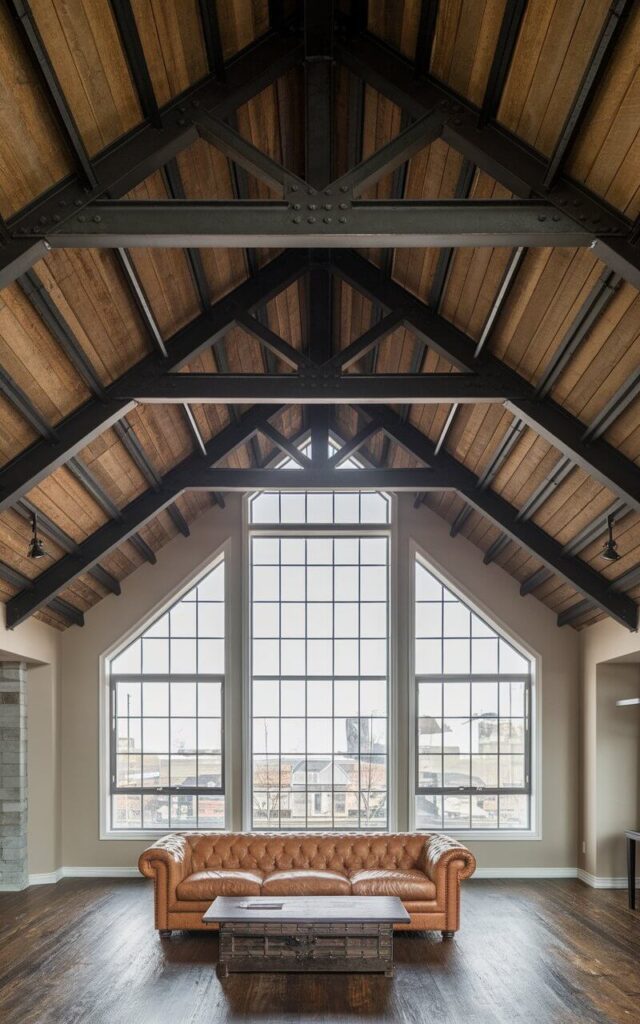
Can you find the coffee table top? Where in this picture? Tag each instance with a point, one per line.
(329, 909)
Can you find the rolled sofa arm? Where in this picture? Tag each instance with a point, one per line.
(171, 853)
(440, 851)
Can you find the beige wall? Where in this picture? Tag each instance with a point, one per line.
(142, 593)
(604, 642)
(39, 646)
(490, 587)
(529, 621)
(617, 765)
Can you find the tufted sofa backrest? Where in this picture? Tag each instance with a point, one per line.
(269, 852)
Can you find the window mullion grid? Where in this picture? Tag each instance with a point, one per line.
(197, 639)
(499, 798)
(333, 672)
(443, 703)
(279, 787)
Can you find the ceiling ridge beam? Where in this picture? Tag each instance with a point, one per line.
(529, 536)
(131, 518)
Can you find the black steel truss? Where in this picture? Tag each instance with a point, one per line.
(560, 428)
(495, 150)
(322, 214)
(78, 429)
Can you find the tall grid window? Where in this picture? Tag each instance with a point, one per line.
(473, 701)
(166, 692)
(319, 639)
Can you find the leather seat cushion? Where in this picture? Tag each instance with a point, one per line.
(408, 885)
(206, 885)
(306, 883)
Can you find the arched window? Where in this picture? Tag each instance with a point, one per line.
(473, 717)
(319, 658)
(166, 692)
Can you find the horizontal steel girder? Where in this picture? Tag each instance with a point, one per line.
(97, 415)
(145, 149)
(492, 148)
(525, 533)
(327, 478)
(255, 224)
(131, 518)
(314, 388)
(565, 431)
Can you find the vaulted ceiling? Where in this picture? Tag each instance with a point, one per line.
(424, 214)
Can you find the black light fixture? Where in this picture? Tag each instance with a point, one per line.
(610, 550)
(36, 547)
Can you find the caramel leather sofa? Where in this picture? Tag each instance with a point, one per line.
(189, 869)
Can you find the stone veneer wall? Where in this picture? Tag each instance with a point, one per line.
(14, 873)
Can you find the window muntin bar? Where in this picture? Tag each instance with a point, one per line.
(166, 693)
(472, 717)
(319, 580)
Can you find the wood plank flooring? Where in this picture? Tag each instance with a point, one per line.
(543, 952)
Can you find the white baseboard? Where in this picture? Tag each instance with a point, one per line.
(46, 878)
(51, 877)
(602, 882)
(596, 882)
(526, 873)
(90, 872)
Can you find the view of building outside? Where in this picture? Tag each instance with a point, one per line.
(319, 643)
(472, 717)
(166, 690)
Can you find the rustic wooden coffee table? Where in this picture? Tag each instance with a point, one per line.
(306, 933)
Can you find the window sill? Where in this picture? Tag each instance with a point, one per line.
(151, 836)
(496, 835)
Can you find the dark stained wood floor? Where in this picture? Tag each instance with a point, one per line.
(543, 952)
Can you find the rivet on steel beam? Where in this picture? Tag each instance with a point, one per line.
(328, 206)
(344, 188)
(342, 220)
(344, 206)
(327, 191)
(78, 202)
(312, 206)
(327, 220)
(311, 220)
(296, 220)
(97, 219)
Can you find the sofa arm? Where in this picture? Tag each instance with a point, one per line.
(440, 851)
(171, 854)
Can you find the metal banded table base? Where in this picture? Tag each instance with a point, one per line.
(365, 947)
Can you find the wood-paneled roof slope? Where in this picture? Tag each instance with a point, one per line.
(225, 225)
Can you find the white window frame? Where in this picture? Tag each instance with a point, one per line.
(106, 831)
(389, 530)
(534, 832)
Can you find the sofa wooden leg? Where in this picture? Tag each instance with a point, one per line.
(165, 933)
(446, 936)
